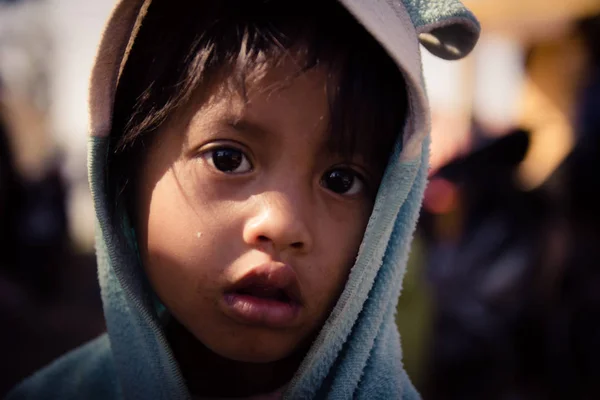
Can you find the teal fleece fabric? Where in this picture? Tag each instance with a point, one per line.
(357, 354)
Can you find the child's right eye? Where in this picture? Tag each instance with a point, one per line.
(228, 160)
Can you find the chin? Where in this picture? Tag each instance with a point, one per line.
(255, 348)
(255, 358)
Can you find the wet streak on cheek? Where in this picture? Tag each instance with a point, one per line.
(201, 199)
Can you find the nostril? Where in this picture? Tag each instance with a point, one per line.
(265, 239)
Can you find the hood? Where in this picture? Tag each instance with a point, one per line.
(357, 353)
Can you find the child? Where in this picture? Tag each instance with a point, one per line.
(239, 158)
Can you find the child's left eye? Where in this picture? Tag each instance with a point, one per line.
(228, 160)
(343, 181)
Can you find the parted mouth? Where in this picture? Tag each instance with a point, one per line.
(266, 292)
(271, 281)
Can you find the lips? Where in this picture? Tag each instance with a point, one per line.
(268, 295)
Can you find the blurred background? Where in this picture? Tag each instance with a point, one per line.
(502, 297)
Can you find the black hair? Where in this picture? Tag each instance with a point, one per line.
(183, 46)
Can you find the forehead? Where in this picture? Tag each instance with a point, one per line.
(281, 99)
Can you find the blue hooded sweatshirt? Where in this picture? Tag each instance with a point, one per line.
(357, 354)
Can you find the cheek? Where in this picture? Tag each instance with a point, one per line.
(337, 250)
(183, 215)
(178, 238)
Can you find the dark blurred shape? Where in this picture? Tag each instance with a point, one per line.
(49, 295)
(33, 223)
(12, 1)
(515, 273)
(479, 273)
(10, 200)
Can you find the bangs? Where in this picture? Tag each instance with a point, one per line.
(182, 47)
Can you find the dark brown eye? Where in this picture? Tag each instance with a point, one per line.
(229, 160)
(342, 181)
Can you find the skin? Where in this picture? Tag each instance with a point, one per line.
(201, 229)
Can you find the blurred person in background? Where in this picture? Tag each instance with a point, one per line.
(49, 300)
(514, 267)
(34, 224)
(10, 200)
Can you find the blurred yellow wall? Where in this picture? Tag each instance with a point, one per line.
(528, 17)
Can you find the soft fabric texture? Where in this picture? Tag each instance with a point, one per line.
(357, 353)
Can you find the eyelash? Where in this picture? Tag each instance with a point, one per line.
(208, 156)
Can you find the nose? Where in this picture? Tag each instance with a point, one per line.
(280, 223)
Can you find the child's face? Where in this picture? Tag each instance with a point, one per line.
(248, 223)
